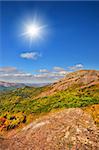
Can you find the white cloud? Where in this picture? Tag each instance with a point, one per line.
(43, 71)
(12, 74)
(58, 69)
(12, 71)
(30, 55)
(64, 72)
(76, 67)
(22, 75)
(7, 69)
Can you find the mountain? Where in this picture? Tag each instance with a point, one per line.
(6, 86)
(10, 86)
(67, 104)
(36, 84)
(75, 87)
(79, 79)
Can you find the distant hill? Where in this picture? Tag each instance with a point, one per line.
(8, 84)
(4, 86)
(37, 84)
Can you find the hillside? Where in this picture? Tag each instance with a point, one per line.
(79, 79)
(23, 105)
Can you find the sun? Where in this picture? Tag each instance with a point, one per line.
(34, 31)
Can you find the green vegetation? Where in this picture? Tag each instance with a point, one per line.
(2, 88)
(17, 105)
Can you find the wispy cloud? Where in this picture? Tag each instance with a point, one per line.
(8, 69)
(12, 74)
(30, 55)
(43, 71)
(76, 67)
(58, 69)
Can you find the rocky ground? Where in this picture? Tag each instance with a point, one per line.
(68, 129)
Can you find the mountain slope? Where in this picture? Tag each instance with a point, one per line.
(79, 79)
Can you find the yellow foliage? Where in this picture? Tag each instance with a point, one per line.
(94, 111)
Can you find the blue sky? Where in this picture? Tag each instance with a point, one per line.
(70, 40)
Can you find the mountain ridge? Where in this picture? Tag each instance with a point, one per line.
(81, 79)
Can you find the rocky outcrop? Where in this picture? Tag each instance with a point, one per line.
(68, 129)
